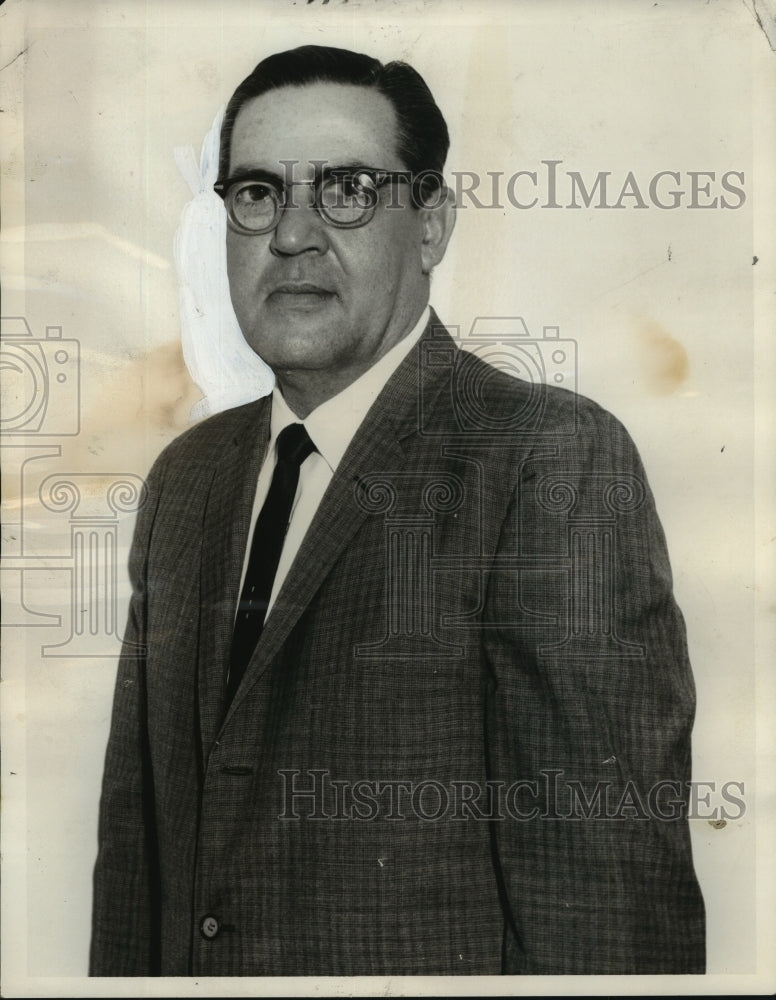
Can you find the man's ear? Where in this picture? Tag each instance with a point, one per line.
(438, 216)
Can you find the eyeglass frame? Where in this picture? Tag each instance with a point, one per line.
(322, 174)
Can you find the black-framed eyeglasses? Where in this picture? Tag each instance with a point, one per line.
(344, 197)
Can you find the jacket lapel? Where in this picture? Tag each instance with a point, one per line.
(224, 540)
(376, 446)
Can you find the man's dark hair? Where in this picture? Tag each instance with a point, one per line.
(422, 139)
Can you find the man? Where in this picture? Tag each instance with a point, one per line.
(443, 725)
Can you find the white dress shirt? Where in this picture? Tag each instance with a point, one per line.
(331, 426)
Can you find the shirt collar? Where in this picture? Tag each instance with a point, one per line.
(333, 424)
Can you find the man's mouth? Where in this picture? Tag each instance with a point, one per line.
(299, 290)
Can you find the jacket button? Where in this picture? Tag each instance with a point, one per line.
(209, 927)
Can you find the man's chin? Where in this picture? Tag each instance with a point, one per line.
(299, 341)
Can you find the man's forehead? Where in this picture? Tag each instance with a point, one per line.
(339, 124)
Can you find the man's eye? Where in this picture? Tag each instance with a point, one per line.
(254, 194)
(350, 189)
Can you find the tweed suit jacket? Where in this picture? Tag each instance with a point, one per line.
(462, 743)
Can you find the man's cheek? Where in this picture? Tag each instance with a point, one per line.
(243, 261)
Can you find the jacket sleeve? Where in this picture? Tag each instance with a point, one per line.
(125, 911)
(589, 721)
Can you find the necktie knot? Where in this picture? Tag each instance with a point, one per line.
(294, 444)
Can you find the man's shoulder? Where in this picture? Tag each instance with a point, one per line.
(499, 399)
(208, 439)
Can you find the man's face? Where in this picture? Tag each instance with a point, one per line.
(309, 296)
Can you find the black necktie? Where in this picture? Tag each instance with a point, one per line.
(293, 447)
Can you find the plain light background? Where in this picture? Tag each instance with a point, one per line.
(662, 305)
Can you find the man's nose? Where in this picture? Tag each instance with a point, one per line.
(300, 229)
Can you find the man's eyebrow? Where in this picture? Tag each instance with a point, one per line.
(255, 173)
(321, 169)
